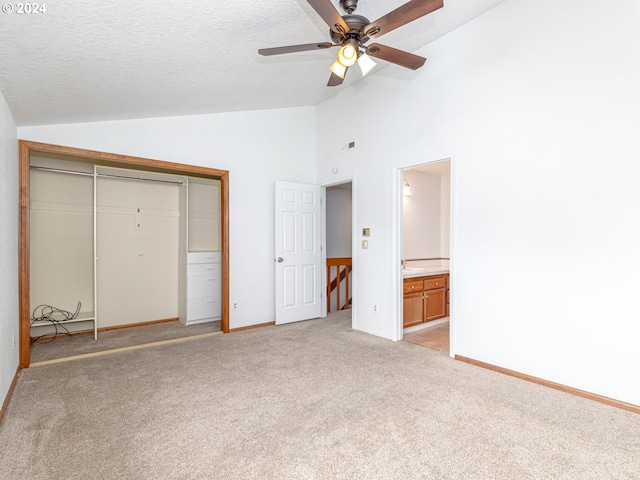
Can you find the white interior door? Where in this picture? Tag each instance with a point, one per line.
(298, 252)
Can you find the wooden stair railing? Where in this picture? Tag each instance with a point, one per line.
(343, 269)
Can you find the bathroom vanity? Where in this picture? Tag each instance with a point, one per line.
(426, 295)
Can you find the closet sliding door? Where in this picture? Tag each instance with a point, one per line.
(138, 246)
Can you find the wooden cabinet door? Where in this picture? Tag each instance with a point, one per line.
(413, 309)
(435, 304)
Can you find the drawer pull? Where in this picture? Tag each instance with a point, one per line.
(211, 279)
(212, 268)
(212, 301)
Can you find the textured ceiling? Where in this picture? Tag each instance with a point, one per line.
(88, 61)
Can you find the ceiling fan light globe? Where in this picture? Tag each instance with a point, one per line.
(338, 69)
(366, 64)
(348, 55)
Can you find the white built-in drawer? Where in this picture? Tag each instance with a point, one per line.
(204, 307)
(203, 285)
(204, 257)
(204, 269)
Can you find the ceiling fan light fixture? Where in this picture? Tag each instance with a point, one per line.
(338, 69)
(348, 55)
(366, 64)
(351, 32)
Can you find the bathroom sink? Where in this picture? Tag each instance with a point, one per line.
(431, 269)
(414, 269)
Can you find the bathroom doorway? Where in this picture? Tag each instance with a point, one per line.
(425, 245)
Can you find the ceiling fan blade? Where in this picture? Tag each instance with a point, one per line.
(294, 48)
(330, 15)
(335, 80)
(402, 15)
(393, 55)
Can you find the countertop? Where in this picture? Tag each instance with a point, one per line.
(412, 272)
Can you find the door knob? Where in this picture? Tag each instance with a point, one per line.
(280, 259)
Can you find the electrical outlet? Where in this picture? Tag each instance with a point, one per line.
(375, 308)
(235, 305)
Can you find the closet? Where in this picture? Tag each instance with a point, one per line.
(127, 246)
(203, 258)
(61, 245)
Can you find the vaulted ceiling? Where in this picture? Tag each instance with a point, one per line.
(90, 61)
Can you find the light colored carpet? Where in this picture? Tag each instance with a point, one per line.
(311, 400)
(68, 346)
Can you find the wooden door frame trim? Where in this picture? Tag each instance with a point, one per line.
(116, 160)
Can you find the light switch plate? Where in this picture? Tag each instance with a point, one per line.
(365, 244)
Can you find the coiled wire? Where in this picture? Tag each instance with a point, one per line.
(45, 313)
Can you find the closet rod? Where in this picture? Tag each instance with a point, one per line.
(124, 177)
(105, 175)
(59, 170)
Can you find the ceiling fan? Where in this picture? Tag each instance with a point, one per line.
(351, 32)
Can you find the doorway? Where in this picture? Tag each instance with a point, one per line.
(107, 160)
(339, 247)
(425, 253)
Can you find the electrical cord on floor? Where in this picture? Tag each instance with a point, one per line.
(45, 313)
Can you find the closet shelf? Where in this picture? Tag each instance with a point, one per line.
(87, 317)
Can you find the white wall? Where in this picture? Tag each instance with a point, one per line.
(445, 216)
(256, 147)
(8, 249)
(537, 105)
(421, 216)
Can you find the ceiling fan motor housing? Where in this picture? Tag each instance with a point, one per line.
(356, 24)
